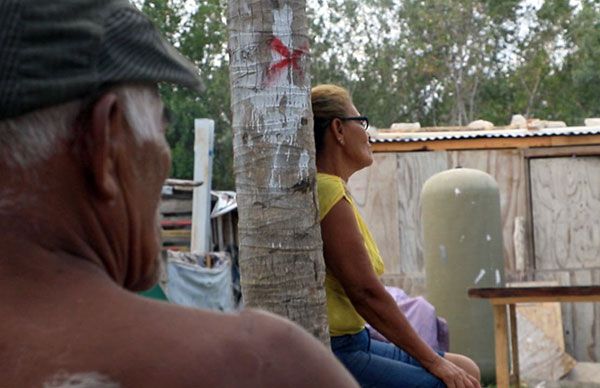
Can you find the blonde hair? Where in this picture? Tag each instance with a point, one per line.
(328, 102)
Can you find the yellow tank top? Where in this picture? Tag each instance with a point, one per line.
(343, 318)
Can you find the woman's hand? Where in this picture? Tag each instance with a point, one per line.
(348, 261)
(452, 375)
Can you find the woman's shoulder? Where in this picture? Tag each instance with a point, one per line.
(330, 190)
(330, 185)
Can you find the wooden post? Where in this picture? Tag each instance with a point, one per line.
(514, 344)
(203, 156)
(501, 329)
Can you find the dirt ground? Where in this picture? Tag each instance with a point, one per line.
(584, 375)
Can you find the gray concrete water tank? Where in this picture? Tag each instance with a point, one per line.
(462, 235)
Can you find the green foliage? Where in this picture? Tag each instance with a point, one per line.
(439, 62)
(447, 62)
(581, 68)
(200, 34)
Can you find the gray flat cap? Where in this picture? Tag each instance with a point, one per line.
(54, 51)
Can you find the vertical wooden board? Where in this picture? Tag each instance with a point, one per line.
(595, 345)
(507, 167)
(565, 194)
(501, 346)
(374, 190)
(583, 322)
(413, 170)
(564, 279)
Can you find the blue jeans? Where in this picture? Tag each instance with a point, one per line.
(380, 364)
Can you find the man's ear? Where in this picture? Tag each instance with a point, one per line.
(105, 126)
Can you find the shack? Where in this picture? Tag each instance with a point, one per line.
(176, 217)
(209, 287)
(549, 181)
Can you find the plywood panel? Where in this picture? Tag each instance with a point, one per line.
(565, 194)
(562, 279)
(413, 170)
(583, 322)
(374, 191)
(541, 345)
(403, 250)
(507, 167)
(565, 203)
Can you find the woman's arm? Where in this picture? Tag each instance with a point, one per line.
(347, 259)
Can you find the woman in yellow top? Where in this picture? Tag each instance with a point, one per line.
(354, 291)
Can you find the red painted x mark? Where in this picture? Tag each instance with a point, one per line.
(289, 58)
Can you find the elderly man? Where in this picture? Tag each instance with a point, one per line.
(82, 161)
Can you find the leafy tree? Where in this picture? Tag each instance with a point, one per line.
(199, 32)
(439, 62)
(578, 94)
(418, 60)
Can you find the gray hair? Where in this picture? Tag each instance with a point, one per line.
(33, 137)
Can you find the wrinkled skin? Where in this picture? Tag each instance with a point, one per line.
(81, 230)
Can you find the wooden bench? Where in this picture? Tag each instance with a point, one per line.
(500, 298)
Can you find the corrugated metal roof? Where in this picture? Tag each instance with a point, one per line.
(387, 136)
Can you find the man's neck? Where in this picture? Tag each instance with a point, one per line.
(51, 215)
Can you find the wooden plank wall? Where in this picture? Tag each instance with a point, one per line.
(176, 218)
(565, 195)
(563, 209)
(394, 217)
(176, 222)
(508, 168)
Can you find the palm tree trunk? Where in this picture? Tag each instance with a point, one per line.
(281, 260)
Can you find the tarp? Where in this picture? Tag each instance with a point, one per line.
(200, 280)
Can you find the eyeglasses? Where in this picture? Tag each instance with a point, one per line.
(362, 120)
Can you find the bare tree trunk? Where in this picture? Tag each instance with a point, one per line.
(531, 92)
(281, 260)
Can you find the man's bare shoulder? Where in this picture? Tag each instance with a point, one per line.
(252, 348)
(119, 337)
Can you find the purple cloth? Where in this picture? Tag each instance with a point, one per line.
(422, 317)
